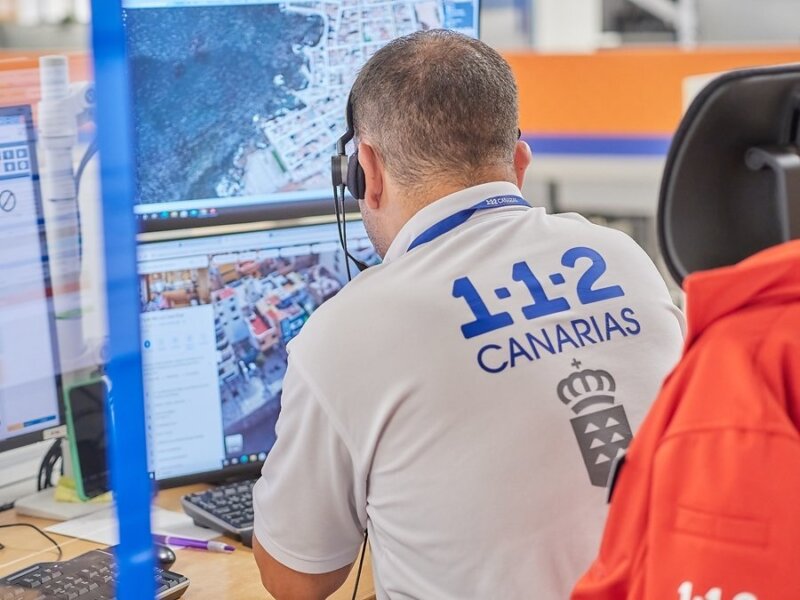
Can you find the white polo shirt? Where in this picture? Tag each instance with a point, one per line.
(464, 400)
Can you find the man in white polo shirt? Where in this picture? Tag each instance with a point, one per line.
(464, 400)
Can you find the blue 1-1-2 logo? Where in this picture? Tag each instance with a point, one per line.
(541, 305)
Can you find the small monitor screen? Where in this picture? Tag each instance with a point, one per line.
(217, 314)
(29, 374)
(238, 104)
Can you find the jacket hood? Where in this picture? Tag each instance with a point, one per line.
(770, 277)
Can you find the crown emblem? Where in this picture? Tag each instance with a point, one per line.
(587, 388)
(603, 432)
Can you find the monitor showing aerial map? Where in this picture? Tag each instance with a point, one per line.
(239, 103)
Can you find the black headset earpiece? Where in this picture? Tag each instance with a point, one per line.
(356, 179)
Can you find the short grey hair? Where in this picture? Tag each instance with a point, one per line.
(437, 104)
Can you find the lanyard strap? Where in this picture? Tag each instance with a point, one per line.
(447, 225)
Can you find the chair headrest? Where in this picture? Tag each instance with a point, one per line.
(731, 184)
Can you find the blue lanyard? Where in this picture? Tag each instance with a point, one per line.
(447, 225)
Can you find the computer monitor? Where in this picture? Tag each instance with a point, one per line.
(237, 104)
(30, 387)
(217, 313)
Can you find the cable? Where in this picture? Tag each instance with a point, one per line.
(34, 527)
(87, 156)
(45, 477)
(342, 231)
(339, 203)
(360, 564)
(59, 456)
(341, 221)
(51, 457)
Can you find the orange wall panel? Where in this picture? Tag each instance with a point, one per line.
(627, 92)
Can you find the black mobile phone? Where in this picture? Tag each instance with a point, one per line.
(88, 439)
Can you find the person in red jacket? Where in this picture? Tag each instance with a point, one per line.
(706, 506)
(706, 503)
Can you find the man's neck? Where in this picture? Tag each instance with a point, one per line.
(418, 200)
(448, 202)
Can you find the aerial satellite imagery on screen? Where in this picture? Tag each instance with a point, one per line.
(247, 100)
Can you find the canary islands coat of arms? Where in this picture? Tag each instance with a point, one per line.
(601, 427)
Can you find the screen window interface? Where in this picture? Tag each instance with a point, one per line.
(217, 314)
(28, 364)
(241, 102)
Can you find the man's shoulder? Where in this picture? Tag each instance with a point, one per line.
(578, 223)
(613, 242)
(361, 306)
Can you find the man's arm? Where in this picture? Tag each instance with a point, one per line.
(310, 503)
(283, 582)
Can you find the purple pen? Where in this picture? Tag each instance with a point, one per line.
(211, 546)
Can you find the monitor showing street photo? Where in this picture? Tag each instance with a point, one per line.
(217, 315)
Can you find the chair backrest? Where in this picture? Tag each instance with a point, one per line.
(731, 185)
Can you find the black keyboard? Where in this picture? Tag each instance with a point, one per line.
(89, 576)
(226, 508)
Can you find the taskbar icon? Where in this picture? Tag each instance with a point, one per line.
(194, 213)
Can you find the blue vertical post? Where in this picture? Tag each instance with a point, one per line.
(128, 453)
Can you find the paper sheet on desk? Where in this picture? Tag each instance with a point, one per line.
(101, 526)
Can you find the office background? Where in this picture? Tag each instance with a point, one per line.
(603, 84)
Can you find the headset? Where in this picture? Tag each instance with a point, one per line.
(346, 172)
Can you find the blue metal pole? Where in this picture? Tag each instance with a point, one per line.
(128, 453)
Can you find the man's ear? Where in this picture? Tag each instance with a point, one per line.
(373, 174)
(522, 160)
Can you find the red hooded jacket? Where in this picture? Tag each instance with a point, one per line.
(707, 504)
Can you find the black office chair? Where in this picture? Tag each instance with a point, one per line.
(731, 185)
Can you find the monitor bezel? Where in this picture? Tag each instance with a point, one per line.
(59, 430)
(251, 469)
(249, 213)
